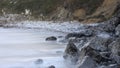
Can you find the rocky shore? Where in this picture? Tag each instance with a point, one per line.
(95, 46)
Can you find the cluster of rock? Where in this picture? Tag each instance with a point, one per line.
(97, 46)
(40, 61)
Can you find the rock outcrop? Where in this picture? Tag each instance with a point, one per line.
(71, 53)
(85, 11)
(98, 48)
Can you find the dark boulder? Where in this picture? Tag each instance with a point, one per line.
(94, 54)
(85, 33)
(52, 38)
(77, 35)
(100, 43)
(71, 53)
(105, 54)
(52, 66)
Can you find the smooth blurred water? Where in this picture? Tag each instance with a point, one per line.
(20, 48)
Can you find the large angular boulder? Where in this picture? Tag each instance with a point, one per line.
(87, 62)
(71, 53)
(94, 54)
(100, 43)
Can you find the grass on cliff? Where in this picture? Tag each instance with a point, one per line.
(35, 6)
(45, 7)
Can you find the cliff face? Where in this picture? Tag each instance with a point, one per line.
(105, 11)
(86, 11)
(79, 9)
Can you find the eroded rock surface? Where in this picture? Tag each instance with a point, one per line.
(97, 46)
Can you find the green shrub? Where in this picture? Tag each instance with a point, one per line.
(35, 6)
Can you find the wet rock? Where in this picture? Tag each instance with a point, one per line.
(52, 66)
(110, 66)
(116, 58)
(76, 40)
(87, 62)
(71, 53)
(52, 38)
(39, 61)
(94, 54)
(82, 42)
(113, 66)
(73, 35)
(100, 43)
(118, 30)
(106, 27)
(115, 21)
(86, 33)
(102, 66)
(115, 46)
(115, 49)
(110, 25)
(105, 54)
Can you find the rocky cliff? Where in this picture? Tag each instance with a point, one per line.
(86, 11)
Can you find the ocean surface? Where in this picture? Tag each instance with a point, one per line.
(21, 48)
